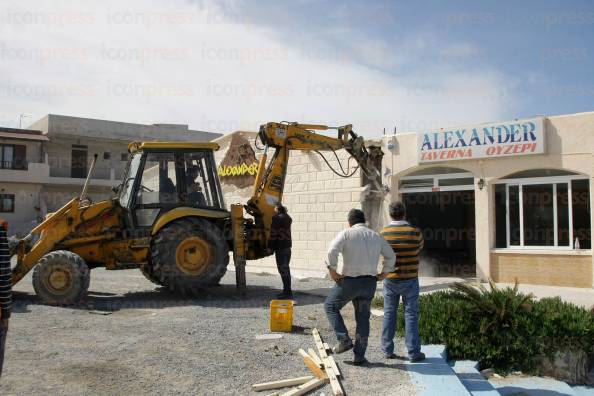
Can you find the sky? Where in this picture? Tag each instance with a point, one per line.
(227, 65)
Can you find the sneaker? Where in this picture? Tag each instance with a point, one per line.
(391, 356)
(417, 358)
(360, 362)
(343, 346)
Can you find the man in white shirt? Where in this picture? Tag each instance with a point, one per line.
(356, 280)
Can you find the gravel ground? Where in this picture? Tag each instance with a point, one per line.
(130, 337)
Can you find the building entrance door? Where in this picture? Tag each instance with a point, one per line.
(440, 201)
(79, 162)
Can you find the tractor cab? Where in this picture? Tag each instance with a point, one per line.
(162, 176)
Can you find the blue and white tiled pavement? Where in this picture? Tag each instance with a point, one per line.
(436, 376)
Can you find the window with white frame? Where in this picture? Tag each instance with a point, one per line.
(436, 179)
(544, 208)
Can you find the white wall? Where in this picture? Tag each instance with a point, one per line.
(53, 198)
(569, 144)
(26, 208)
(60, 156)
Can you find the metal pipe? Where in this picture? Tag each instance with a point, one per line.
(260, 174)
(83, 194)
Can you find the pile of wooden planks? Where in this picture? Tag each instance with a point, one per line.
(322, 366)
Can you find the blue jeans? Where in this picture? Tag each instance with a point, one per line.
(409, 290)
(360, 291)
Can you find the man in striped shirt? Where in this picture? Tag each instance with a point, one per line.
(5, 288)
(407, 243)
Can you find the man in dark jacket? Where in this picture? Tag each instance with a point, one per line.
(280, 243)
(5, 289)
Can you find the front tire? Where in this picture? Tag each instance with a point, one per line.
(147, 271)
(61, 278)
(189, 254)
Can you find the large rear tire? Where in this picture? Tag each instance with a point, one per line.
(189, 254)
(61, 278)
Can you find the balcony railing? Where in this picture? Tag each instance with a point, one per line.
(98, 173)
(14, 165)
(42, 172)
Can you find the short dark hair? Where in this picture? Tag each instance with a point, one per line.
(397, 210)
(281, 209)
(356, 216)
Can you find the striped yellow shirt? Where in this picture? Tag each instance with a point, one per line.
(407, 243)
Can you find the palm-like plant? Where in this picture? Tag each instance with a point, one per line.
(497, 309)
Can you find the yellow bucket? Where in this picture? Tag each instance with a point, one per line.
(281, 315)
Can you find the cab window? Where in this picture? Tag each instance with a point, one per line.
(201, 187)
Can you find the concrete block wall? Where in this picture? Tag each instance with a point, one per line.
(318, 200)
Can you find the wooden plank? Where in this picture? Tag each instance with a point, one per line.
(268, 336)
(313, 367)
(281, 383)
(319, 343)
(327, 360)
(322, 350)
(307, 387)
(326, 347)
(334, 367)
(314, 356)
(334, 382)
(303, 353)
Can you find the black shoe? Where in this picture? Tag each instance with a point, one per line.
(343, 346)
(285, 296)
(391, 356)
(361, 362)
(419, 357)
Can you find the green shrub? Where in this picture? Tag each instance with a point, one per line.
(500, 328)
(506, 334)
(563, 326)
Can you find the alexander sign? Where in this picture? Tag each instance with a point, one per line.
(495, 140)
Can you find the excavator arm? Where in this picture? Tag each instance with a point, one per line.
(270, 178)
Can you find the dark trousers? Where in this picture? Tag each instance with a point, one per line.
(283, 258)
(3, 331)
(360, 291)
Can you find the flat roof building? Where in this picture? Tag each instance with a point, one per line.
(45, 165)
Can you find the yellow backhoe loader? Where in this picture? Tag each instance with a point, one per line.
(168, 217)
